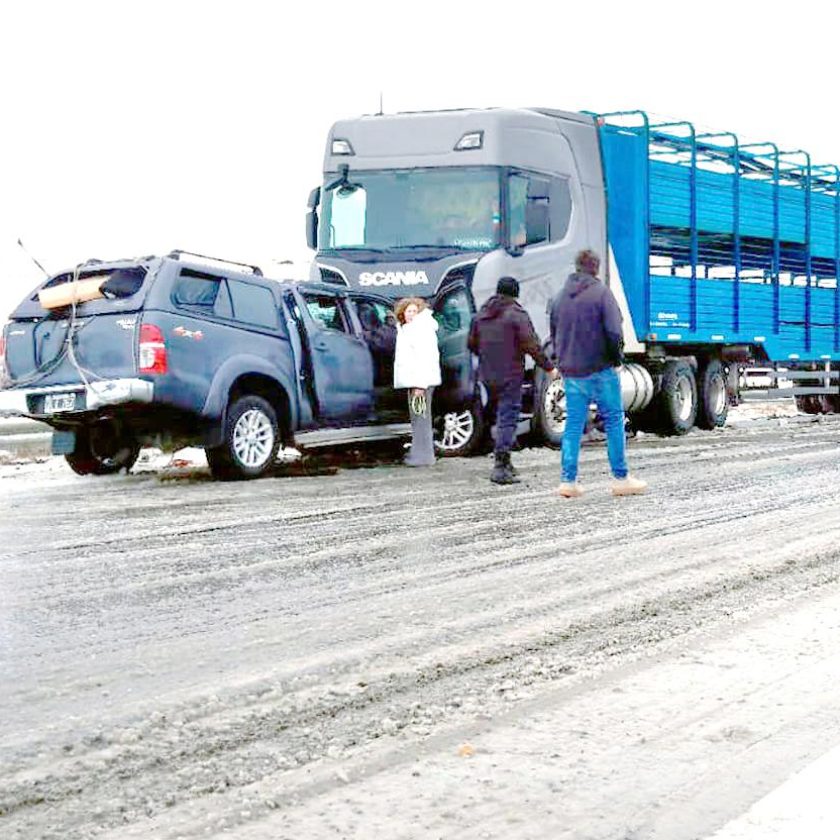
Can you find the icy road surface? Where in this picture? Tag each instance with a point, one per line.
(392, 653)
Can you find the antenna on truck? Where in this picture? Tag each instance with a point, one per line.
(23, 248)
(381, 112)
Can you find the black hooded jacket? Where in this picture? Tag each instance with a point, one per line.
(501, 335)
(585, 327)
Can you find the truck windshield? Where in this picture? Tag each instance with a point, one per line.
(413, 209)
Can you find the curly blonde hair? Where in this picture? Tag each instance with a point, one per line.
(402, 305)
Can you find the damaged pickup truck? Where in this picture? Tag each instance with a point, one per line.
(181, 350)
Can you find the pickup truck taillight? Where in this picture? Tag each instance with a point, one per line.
(152, 349)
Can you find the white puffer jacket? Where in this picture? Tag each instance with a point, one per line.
(417, 358)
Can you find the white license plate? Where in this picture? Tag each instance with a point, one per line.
(59, 402)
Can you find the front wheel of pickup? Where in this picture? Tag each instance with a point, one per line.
(459, 432)
(103, 448)
(251, 440)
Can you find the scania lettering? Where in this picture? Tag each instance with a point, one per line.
(393, 278)
(735, 245)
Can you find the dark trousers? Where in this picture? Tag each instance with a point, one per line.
(505, 403)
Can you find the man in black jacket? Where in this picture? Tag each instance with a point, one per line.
(588, 341)
(501, 335)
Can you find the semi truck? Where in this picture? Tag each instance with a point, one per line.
(721, 254)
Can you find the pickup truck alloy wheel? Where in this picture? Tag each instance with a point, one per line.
(251, 440)
(459, 432)
(253, 437)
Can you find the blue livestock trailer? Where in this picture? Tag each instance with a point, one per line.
(722, 255)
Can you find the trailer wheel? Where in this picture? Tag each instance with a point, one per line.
(251, 440)
(550, 410)
(677, 398)
(103, 448)
(459, 432)
(713, 403)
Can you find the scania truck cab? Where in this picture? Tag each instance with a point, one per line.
(720, 254)
(440, 206)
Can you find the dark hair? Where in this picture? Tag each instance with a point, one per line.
(508, 286)
(587, 262)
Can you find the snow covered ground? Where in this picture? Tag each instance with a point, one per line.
(357, 650)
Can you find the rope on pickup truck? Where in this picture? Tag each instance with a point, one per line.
(71, 335)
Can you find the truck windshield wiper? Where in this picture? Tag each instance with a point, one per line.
(449, 247)
(356, 249)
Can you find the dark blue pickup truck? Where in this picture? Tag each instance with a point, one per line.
(177, 350)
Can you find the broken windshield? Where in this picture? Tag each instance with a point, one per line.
(411, 209)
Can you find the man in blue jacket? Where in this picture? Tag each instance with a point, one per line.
(587, 338)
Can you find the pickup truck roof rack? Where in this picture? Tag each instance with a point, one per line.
(178, 253)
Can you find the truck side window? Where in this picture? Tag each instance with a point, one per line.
(253, 304)
(526, 190)
(517, 200)
(559, 208)
(326, 311)
(348, 218)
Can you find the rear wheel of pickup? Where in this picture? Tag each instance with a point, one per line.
(103, 448)
(251, 440)
(459, 432)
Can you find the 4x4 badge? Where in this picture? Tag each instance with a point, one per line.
(183, 331)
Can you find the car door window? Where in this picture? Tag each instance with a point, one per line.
(453, 312)
(379, 330)
(326, 311)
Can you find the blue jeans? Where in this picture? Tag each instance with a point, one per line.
(604, 389)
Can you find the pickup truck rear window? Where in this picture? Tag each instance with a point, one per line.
(226, 297)
(253, 304)
(196, 289)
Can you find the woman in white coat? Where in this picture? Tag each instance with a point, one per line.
(417, 368)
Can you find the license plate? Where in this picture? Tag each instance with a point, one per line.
(59, 402)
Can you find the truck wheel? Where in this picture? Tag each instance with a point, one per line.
(713, 404)
(677, 398)
(459, 432)
(251, 440)
(550, 410)
(103, 448)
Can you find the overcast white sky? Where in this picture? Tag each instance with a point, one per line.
(132, 129)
